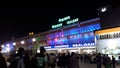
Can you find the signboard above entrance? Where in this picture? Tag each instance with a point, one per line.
(65, 21)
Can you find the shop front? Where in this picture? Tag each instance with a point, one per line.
(108, 42)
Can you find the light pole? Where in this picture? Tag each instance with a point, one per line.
(28, 42)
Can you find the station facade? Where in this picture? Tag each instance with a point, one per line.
(74, 37)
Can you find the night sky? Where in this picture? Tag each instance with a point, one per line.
(18, 22)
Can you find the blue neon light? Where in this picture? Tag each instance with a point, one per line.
(89, 28)
(76, 35)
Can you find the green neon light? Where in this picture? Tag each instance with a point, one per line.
(63, 23)
(57, 25)
(63, 19)
(72, 21)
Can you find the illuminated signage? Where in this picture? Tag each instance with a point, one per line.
(77, 45)
(57, 25)
(72, 21)
(72, 45)
(64, 19)
(62, 46)
(47, 47)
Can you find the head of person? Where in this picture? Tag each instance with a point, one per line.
(21, 51)
(42, 50)
(73, 53)
(99, 53)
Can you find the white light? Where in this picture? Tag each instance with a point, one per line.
(16, 52)
(33, 39)
(14, 43)
(104, 9)
(88, 51)
(88, 44)
(2, 46)
(38, 51)
(8, 49)
(22, 42)
(8, 45)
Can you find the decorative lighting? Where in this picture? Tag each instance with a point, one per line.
(14, 43)
(38, 51)
(103, 9)
(22, 42)
(33, 39)
(56, 39)
(31, 33)
(8, 45)
(2, 46)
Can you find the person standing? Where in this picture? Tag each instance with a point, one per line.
(2, 60)
(18, 61)
(73, 61)
(52, 60)
(113, 62)
(99, 60)
(40, 60)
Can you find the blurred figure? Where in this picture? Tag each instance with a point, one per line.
(99, 60)
(108, 63)
(2, 60)
(18, 59)
(40, 60)
(104, 60)
(27, 60)
(73, 61)
(59, 61)
(113, 62)
(52, 60)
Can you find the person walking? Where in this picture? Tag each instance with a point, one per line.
(2, 60)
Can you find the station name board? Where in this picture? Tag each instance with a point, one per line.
(72, 45)
(65, 21)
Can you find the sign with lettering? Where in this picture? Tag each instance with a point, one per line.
(72, 21)
(65, 21)
(57, 25)
(71, 45)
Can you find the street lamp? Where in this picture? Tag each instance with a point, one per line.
(22, 42)
(33, 39)
(8, 45)
(2, 46)
(31, 33)
(14, 44)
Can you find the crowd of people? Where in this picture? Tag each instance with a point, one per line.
(50, 60)
(99, 59)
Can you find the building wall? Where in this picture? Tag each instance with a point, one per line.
(80, 33)
(107, 41)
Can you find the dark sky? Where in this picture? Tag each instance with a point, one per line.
(18, 22)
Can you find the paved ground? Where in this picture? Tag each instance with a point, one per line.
(87, 65)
